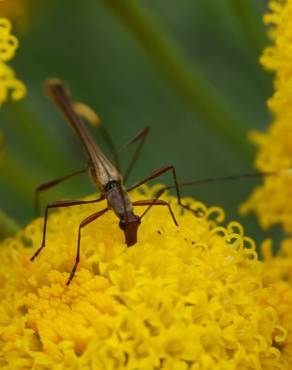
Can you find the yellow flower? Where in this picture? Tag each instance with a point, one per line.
(272, 202)
(278, 273)
(8, 82)
(186, 297)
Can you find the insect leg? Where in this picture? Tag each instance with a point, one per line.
(50, 184)
(158, 173)
(154, 202)
(85, 222)
(139, 137)
(58, 204)
(244, 176)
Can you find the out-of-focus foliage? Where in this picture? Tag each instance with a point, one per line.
(107, 67)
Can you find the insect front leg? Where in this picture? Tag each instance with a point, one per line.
(160, 172)
(59, 204)
(85, 222)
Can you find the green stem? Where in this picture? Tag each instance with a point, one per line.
(8, 226)
(186, 79)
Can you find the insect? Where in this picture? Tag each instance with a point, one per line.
(107, 177)
(104, 174)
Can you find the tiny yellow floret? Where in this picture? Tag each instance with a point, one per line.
(8, 81)
(186, 297)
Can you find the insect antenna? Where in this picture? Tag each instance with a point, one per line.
(242, 176)
(204, 181)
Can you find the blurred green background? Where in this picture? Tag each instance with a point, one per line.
(181, 67)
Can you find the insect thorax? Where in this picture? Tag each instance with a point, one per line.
(117, 197)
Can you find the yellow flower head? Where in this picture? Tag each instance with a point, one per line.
(272, 201)
(186, 297)
(8, 82)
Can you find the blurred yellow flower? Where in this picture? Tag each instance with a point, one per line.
(187, 297)
(16, 10)
(272, 201)
(8, 82)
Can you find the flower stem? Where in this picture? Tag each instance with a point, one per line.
(8, 226)
(182, 74)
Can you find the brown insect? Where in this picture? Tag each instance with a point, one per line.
(105, 175)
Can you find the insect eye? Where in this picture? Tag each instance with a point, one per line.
(122, 224)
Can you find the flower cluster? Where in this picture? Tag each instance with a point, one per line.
(188, 297)
(8, 82)
(272, 201)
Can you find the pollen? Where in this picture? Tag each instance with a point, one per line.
(192, 296)
(8, 82)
